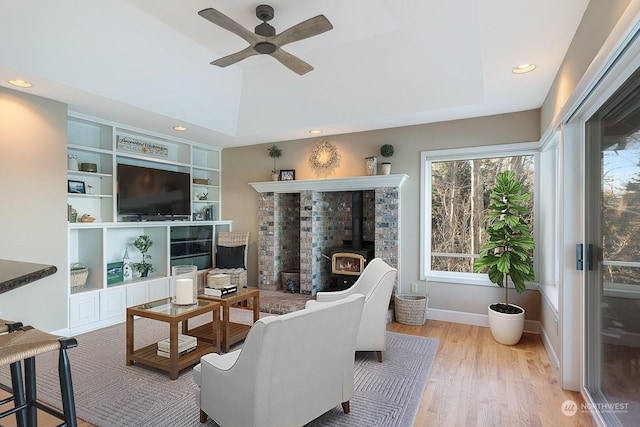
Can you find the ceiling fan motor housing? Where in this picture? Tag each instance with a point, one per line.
(265, 13)
(265, 47)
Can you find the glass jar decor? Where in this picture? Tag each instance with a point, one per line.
(184, 285)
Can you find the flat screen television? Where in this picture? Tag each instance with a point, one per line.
(148, 193)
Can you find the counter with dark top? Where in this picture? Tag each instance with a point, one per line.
(14, 274)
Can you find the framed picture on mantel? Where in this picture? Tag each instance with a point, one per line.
(287, 174)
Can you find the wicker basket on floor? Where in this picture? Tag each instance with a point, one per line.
(411, 309)
(292, 276)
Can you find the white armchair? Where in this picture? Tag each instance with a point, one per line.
(376, 284)
(292, 369)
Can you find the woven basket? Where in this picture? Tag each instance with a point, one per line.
(79, 278)
(218, 280)
(411, 309)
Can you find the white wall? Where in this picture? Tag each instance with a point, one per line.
(33, 216)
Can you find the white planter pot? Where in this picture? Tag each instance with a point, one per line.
(386, 168)
(506, 328)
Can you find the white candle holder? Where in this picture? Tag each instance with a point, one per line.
(184, 285)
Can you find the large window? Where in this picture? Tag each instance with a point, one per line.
(457, 186)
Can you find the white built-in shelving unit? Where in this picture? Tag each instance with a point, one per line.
(99, 243)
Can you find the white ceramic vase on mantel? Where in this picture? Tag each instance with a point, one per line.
(386, 168)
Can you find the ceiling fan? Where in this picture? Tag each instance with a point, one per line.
(265, 40)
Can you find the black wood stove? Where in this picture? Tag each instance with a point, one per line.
(348, 261)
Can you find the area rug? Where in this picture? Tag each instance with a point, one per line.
(110, 394)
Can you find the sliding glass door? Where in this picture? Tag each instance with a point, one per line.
(612, 257)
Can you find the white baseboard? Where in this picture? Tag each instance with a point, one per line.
(458, 317)
(551, 353)
(531, 326)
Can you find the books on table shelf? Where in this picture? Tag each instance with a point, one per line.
(166, 354)
(186, 343)
(218, 292)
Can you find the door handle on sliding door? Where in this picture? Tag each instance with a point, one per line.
(580, 257)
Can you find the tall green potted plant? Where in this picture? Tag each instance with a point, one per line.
(275, 152)
(507, 254)
(143, 244)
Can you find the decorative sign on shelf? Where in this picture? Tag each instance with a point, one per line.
(147, 148)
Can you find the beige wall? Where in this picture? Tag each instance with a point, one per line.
(596, 25)
(33, 217)
(249, 164)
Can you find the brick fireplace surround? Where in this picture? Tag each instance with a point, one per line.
(299, 221)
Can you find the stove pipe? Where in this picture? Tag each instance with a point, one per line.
(356, 219)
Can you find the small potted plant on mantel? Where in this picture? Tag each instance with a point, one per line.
(143, 244)
(507, 255)
(275, 152)
(386, 151)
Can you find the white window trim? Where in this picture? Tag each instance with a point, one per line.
(426, 158)
(551, 290)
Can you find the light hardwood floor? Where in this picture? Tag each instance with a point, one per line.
(475, 381)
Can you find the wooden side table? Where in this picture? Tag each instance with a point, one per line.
(233, 332)
(163, 311)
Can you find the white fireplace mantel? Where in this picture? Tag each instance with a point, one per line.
(331, 184)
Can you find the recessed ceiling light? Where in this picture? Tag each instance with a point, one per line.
(523, 68)
(180, 128)
(20, 83)
(315, 131)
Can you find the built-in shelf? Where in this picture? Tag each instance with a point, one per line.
(331, 184)
(100, 300)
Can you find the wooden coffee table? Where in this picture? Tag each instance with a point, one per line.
(233, 332)
(162, 310)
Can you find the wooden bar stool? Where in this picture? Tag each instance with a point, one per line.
(24, 345)
(7, 326)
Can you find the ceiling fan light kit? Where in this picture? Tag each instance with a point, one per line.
(265, 41)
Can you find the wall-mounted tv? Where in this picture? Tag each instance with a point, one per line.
(148, 193)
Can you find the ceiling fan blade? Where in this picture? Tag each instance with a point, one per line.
(235, 57)
(292, 62)
(309, 28)
(227, 23)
